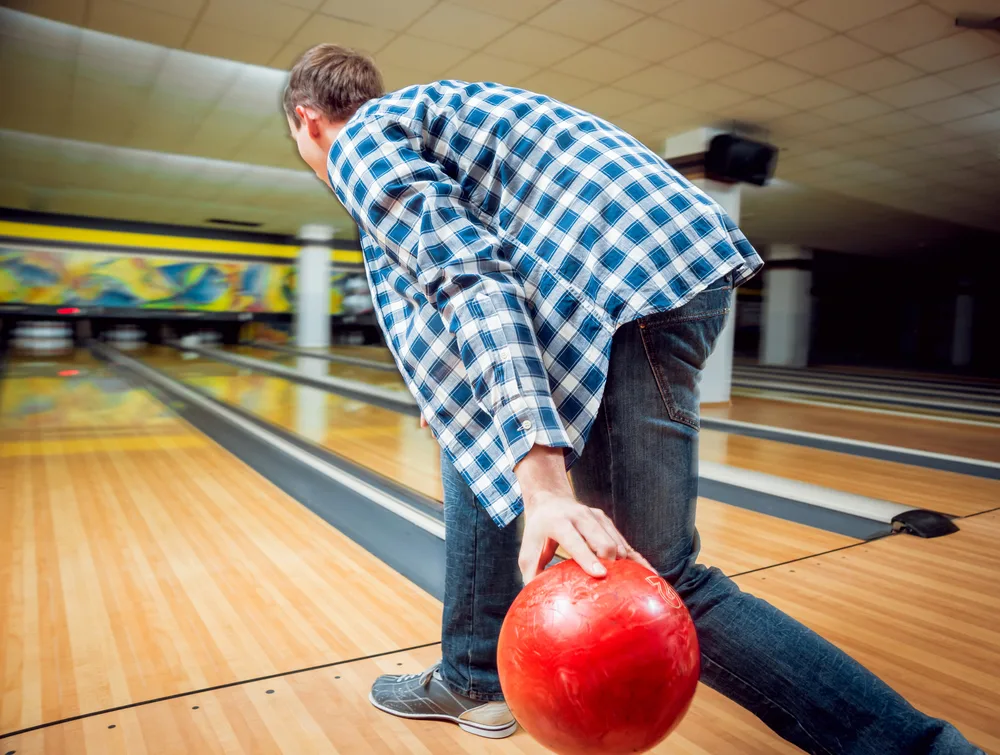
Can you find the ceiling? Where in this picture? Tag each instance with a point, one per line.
(168, 110)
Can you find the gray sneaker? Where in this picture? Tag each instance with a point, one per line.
(425, 696)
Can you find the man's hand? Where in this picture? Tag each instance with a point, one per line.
(553, 517)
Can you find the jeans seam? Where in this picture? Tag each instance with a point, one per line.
(611, 469)
(769, 700)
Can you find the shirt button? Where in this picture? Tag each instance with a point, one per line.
(526, 425)
(505, 353)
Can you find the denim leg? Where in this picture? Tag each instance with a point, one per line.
(640, 465)
(481, 581)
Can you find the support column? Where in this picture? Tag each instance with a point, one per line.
(787, 314)
(686, 154)
(312, 288)
(961, 341)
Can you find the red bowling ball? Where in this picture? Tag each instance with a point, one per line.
(598, 665)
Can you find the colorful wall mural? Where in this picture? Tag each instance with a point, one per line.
(106, 279)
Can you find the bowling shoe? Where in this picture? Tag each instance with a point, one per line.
(425, 696)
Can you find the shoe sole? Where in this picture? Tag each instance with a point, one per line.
(480, 730)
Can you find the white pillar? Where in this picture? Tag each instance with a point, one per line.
(311, 403)
(787, 313)
(312, 313)
(961, 342)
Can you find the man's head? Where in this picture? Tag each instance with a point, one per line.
(326, 87)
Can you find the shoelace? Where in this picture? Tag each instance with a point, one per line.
(423, 677)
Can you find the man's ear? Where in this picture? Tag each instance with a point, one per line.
(310, 118)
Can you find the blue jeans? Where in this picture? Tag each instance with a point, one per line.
(640, 466)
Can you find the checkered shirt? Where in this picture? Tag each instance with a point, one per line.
(506, 237)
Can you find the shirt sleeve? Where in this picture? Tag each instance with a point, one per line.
(416, 215)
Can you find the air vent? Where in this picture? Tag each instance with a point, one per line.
(234, 223)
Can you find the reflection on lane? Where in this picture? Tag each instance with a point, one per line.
(382, 440)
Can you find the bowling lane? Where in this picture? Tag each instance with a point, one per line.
(317, 366)
(734, 539)
(385, 441)
(972, 441)
(856, 403)
(139, 559)
(918, 487)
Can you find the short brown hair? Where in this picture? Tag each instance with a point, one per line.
(333, 79)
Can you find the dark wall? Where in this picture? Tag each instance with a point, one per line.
(901, 312)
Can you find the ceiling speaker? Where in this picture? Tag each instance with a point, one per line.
(738, 160)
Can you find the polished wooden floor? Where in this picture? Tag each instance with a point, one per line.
(138, 560)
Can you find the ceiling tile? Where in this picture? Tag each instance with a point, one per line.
(848, 14)
(396, 77)
(853, 109)
(830, 55)
(483, 67)
(66, 11)
(890, 123)
(812, 93)
(664, 114)
(534, 46)
(558, 85)
(126, 20)
(325, 29)
(647, 6)
(710, 97)
(908, 28)
(588, 20)
(974, 75)
(916, 92)
(462, 27)
(766, 77)
(657, 81)
(835, 136)
(867, 148)
(311, 5)
(759, 110)
(990, 94)
(220, 42)
(653, 40)
(799, 124)
(610, 103)
(919, 137)
(385, 14)
(410, 52)
(947, 53)
(877, 74)
(513, 10)
(713, 59)
(717, 17)
(261, 18)
(951, 109)
(600, 65)
(953, 7)
(778, 34)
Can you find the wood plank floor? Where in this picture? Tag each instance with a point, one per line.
(131, 572)
(929, 632)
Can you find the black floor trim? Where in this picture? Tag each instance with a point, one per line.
(215, 688)
(847, 446)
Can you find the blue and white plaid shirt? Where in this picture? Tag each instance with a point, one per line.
(506, 237)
